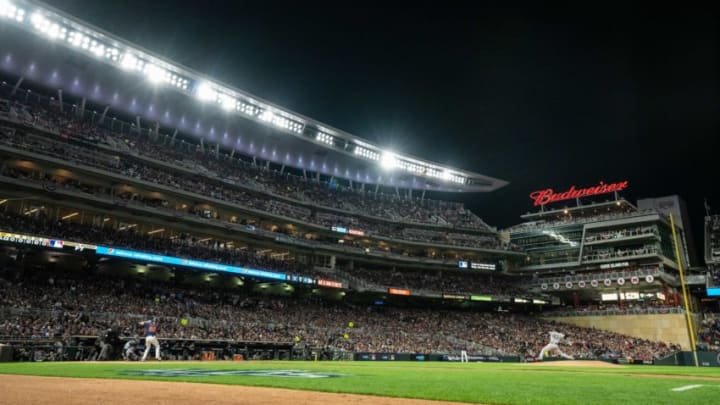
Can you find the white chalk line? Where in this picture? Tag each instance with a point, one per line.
(686, 387)
(692, 387)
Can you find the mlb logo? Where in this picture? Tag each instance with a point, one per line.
(55, 243)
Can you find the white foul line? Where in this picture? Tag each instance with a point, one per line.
(686, 387)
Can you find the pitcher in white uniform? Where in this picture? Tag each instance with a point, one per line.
(555, 339)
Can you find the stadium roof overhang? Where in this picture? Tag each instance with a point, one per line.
(87, 62)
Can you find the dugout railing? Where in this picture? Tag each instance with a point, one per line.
(107, 348)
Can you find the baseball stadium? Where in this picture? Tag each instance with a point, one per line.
(167, 237)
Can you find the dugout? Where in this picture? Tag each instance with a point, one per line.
(6, 353)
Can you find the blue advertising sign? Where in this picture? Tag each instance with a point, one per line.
(197, 264)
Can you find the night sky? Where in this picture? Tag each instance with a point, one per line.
(540, 97)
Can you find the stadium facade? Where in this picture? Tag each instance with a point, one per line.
(69, 55)
(712, 254)
(166, 152)
(611, 264)
(599, 247)
(117, 161)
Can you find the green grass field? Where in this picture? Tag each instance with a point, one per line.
(475, 382)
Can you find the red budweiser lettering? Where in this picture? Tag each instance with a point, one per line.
(542, 197)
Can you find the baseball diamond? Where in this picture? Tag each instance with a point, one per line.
(180, 223)
(385, 383)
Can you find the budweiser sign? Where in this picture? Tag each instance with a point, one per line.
(547, 196)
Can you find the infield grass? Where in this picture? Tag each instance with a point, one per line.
(488, 383)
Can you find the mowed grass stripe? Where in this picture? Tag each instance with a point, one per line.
(474, 383)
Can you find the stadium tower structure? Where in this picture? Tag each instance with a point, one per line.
(712, 255)
(101, 133)
(598, 254)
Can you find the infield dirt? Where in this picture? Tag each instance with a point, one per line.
(17, 389)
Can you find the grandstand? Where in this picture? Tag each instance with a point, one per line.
(712, 253)
(133, 186)
(605, 257)
(712, 239)
(118, 158)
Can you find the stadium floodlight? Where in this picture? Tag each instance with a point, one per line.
(388, 160)
(281, 122)
(205, 92)
(227, 102)
(129, 62)
(97, 49)
(246, 108)
(366, 153)
(277, 120)
(75, 38)
(154, 73)
(46, 27)
(54, 31)
(266, 116)
(11, 11)
(324, 138)
(112, 53)
(39, 22)
(296, 127)
(57, 26)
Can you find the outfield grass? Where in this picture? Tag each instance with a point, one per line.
(475, 382)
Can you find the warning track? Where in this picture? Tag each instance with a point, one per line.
(17, 389)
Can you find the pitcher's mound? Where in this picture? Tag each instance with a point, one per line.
(575, 363)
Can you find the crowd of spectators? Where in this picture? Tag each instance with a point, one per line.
(52, 305)
(712, 236)
(451, 281)
(239, 172)
(295, 236)
(227, 190)
(532, 226)
(593, 253)
(41, 305)
(708, 337)
(594, 278)
(183, 245)
(622, 233)
(97, 232)
(712, 247)
(624, 307)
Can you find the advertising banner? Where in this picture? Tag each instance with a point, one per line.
(197, 264)
(398, 291)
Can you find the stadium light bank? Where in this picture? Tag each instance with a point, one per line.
(68, 31)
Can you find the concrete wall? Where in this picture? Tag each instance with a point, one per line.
(668, 328)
